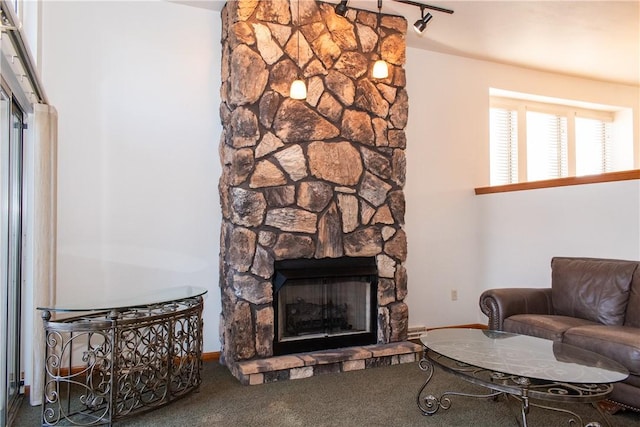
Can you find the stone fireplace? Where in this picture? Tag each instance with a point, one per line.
(316, 179)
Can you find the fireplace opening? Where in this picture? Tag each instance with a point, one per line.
(324, 303)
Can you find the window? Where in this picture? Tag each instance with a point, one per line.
(533, 139)
(504, 145)
(546, 146)
(593, 146)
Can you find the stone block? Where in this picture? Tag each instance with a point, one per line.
(294, 220)
(314, 196)
(308, 359)
(266, 174)
(348, 205)
(275, 376)
(332, 368)
(363, 242)
(341, 86)
(403, 347)
(374, 190)
(296, 122)
(337, 162)
(353, 365)
(291, 246)
(407, 358)
(293, 162)
(329, 234)
(270, 364)
(386, 291)
(376, 362)
(255, 379)
(299, 373)
(341, 354)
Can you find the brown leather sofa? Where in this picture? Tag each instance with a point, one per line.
(592, 303)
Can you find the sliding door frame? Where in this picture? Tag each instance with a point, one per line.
(12, 241)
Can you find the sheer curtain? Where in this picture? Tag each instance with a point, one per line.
(43, 235)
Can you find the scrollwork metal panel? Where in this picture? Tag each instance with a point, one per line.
(106, 366)
(522, 389)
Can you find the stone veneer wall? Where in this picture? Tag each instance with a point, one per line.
(316, 178)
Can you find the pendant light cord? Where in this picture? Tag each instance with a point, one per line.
(300, 68)
(379, 33)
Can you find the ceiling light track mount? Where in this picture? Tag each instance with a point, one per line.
(341, 9)
(421, 23)
(423, 6)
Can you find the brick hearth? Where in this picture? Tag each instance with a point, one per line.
(305, 365)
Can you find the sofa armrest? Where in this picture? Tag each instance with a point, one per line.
(498, 304)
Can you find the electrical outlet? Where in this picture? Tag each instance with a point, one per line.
(454, 295)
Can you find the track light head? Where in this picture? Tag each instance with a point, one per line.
(421, 23)
(341, 9)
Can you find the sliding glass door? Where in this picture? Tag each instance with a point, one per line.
(11, 187)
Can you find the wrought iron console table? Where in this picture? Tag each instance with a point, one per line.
(120, 358)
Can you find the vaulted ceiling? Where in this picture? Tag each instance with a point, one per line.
(593, 39)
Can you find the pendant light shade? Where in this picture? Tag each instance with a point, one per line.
(380, 69)
(298, 90)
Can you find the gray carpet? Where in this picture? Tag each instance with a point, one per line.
(384, 396)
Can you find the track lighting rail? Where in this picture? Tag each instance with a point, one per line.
(420, 25)
(423, 6)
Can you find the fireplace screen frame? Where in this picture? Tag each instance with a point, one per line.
(294, 271)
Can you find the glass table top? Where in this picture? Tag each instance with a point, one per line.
(524, 356)
(157, 296)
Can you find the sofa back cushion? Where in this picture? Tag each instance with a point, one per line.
(591, 289)
(633, 308)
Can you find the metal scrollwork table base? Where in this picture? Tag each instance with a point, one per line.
(121, 359)
(527, 391)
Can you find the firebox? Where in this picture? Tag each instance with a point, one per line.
(324, 303)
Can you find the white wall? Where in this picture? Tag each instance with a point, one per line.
(136, 86)
(521, 231)
(461, 241)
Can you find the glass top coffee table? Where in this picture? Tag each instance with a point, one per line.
(524, 367)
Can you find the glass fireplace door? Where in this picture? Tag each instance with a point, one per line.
(321, 308)
(324, 304)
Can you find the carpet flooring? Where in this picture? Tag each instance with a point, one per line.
(384, 396)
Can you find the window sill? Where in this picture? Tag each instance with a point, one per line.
(561, 182)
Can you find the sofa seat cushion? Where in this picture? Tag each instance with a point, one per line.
(551, 327)
(620, 343)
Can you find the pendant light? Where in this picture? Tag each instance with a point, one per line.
(298, 88)
(380, 67)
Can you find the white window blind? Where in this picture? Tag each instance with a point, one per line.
(504, 146)
(546, 146)
(593, 146)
